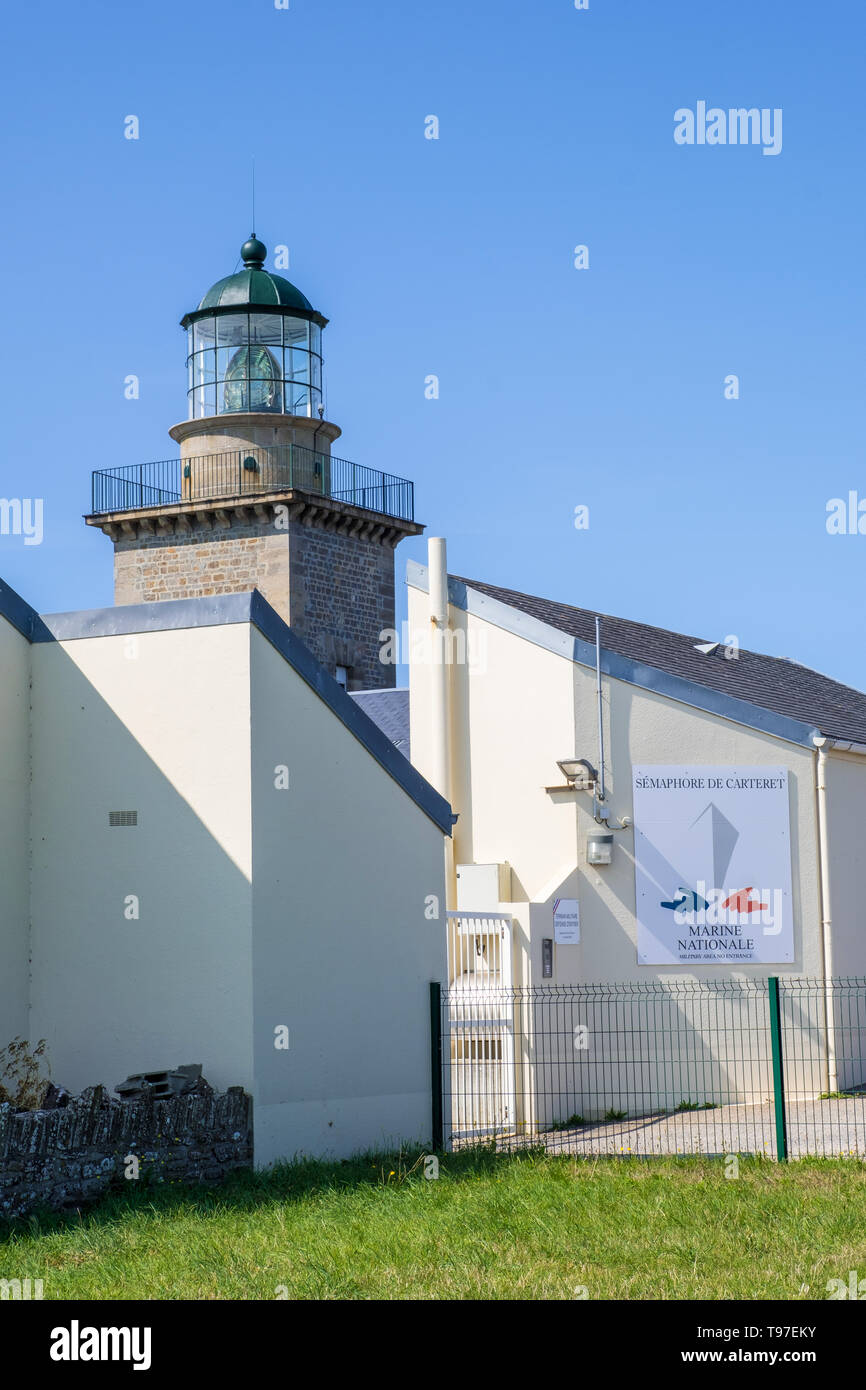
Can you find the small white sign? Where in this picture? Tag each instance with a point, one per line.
(566, 922)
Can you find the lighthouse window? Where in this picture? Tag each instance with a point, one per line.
(232, 329)
(299, 398)
(296, 333)
(266, 328)
(224, 357)
(203, 335)
(254, 362)
(300, 365)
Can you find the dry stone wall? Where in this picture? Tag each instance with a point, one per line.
(72, 1155)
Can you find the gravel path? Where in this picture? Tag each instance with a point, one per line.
(829, 1128)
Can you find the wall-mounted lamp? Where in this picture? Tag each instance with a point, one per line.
(578, 772)
(599, 849)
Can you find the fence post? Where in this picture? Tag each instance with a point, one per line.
(436, 1060)
(778, 1072)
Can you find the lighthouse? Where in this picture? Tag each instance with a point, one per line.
(255, 497)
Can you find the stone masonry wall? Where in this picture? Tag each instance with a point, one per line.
(335, 590)
(228, 560)
(72, 1155)
(341, 591)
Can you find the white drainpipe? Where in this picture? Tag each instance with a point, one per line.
(440, 692)
(826, 917)
(437, 561)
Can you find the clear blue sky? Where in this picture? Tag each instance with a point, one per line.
(559, 387)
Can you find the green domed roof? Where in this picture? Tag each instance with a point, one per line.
(255, 287)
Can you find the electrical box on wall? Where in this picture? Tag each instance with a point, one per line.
(483, 886)
(547, 958)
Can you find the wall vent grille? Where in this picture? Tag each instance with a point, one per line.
(123, 818)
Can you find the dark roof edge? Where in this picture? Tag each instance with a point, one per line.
(349, 712)
(18, 612)
(253, 608)
(287, 311)
(622, 668)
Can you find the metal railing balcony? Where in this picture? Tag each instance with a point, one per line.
(246, 473)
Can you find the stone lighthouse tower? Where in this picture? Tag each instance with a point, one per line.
(256, 498)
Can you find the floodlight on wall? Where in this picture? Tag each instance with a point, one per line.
(578, 773)
(599, 849)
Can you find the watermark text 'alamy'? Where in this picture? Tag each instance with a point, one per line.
(737, 126)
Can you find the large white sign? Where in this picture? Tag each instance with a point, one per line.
(712, 865)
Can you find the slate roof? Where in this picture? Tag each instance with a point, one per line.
(771, 682)
(389, 711)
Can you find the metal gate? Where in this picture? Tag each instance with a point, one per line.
(479, 1082)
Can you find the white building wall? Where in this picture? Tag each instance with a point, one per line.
(342, 950)
(516, 709)
(158, 723)
(14, 827)
(846, 820)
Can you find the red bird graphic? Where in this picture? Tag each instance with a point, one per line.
(742, 902)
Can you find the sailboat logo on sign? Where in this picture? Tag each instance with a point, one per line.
(721, 906)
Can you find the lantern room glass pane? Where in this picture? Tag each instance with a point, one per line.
(233, 330)
(224, 356)
(254, 362)
(266, 328)
(300, 365)
(296, 333)
(202, 334)
(204, 367)
(299, 398)
(266, 386)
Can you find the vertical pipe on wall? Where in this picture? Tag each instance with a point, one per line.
(440, 687)
(438, 567)
(826, 917)
(600, 709)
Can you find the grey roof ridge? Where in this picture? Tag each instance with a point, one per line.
(349, 712)
(801, 666)
(389, 690)
(225, 609)
(654, 678)
(671, 632)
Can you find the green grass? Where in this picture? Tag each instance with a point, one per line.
(492, 1226)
